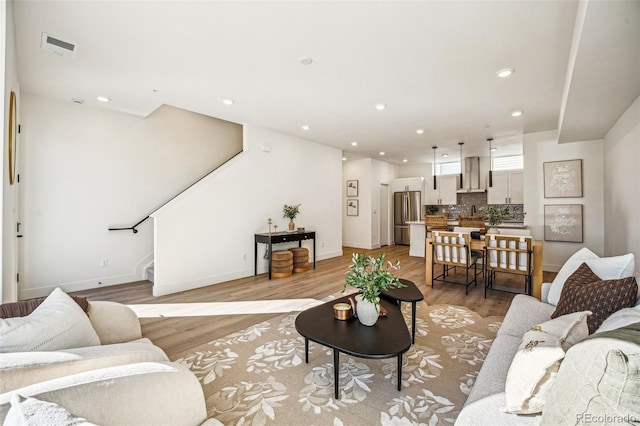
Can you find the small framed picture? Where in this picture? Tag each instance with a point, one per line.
(352, 188)
(563, 179)
(352, 207)
(563, 222)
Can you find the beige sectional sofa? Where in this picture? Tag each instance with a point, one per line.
(619, 396)
(125, 380)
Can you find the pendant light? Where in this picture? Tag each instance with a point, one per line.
(435, 185)
(461, 166)
(490, 163)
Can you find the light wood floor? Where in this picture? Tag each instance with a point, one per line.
(175, 334)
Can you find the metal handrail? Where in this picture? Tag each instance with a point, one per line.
(133, 228)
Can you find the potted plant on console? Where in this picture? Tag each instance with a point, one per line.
(370, 275)
(291, 212)
(495, 216)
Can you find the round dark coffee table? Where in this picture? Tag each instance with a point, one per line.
(388, 338)
(410, 294)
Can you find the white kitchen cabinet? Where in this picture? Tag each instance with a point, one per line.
(446, 191)
(508, 188)
(408, 184)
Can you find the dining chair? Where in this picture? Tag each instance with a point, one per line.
(436, 222)
(507, 254)
(471, 221)
(452, 250)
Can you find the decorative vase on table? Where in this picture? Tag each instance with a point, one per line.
(368, 312)
(292, 225)
(494, 231)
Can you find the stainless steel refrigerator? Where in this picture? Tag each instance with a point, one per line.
(406, 208)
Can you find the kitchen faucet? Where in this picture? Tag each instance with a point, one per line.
(473, 210)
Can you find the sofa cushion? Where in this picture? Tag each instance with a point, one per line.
(488, 412)
(20, 369)
(599, 381)
(33, 412)
(493, 374)
(524, 312)
(58, 323)
(147, 393)
(622, 318)
(606, 268)
(538, 358)
(584, 290)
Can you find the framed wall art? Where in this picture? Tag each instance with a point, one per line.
(352, 207)
(563, 179)
(352, 188)
(563, 222)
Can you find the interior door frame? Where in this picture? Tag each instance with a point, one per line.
(384, 200)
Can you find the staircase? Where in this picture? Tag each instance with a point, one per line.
(149, 273)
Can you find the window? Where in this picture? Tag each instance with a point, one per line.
(451, 168)
(508, 163)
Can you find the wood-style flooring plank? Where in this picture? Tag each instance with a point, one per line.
(178, 334)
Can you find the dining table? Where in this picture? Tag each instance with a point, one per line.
(478, 245)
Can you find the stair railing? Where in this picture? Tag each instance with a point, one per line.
(134, 229)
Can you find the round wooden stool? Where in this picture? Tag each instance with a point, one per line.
(281, 264)
(300, 259)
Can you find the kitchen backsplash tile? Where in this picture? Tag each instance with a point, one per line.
(477, 199)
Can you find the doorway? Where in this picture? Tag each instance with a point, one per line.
(385, 225)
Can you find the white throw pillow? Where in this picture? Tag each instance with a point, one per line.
(622, 318)
(58, 323)
(606, 268)
(33, 412)
(538, 359)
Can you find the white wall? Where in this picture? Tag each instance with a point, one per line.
(542, 147)
(9, 249)
(206, 236)
(362, 231)
(622, 184)
(87, 169)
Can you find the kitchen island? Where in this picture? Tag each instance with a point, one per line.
(418, 234)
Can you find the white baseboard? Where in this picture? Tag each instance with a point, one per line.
(357, 245)
(163, 290)
(136, 275)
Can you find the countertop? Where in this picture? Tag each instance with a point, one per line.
(518, 225)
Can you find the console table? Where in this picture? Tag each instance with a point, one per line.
(282, 237)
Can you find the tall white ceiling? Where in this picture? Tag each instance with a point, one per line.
(433, 64)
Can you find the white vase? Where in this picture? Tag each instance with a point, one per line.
(367, 312)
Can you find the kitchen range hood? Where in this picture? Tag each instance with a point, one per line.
(471, 176)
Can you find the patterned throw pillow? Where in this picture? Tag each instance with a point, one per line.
(585, 291)
(534, 367)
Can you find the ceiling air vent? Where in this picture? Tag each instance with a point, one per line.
(59, 47)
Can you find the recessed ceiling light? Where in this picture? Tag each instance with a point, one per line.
(77, 101)
(445, 155)
(354, 143)
(381, 153)
(380, 107)
(505, 72)
(404, 160)
(228, 101)
(344, 158)
(420, 131)
(517, 113)
(103, 99)
(494, 149)
(305, 60)
(305, 127)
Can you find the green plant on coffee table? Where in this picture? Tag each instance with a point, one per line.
(291, 211)
(496, 215)
(371, 275)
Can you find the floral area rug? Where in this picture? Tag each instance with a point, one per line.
(258, 376)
